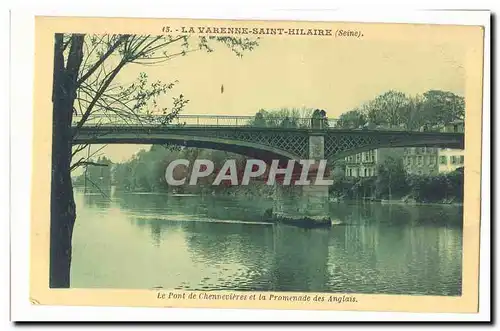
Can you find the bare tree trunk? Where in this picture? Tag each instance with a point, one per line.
(62, 207)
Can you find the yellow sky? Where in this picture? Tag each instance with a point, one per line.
(335, 75)
(332, 74)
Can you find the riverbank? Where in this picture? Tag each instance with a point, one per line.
(398, 202)
(266, 192)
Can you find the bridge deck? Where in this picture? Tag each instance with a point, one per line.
(229, 121)
(155, 128)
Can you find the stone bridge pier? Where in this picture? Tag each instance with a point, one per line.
(305, 203)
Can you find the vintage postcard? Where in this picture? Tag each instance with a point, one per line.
(256, 164)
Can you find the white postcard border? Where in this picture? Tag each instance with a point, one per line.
(21, 141)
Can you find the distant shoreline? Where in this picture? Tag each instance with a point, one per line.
(399, 202)
(341, 201)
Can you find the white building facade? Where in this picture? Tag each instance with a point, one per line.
(450, 159)
(365, 164)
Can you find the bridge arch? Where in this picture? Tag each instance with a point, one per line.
(250, 149)
(338, 145)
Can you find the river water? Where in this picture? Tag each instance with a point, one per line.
(141, 241)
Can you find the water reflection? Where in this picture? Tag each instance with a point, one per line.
(209, 243)
(96, 200)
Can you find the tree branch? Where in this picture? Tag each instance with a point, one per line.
(99, 93)
(162, 59)
(66, 44)
(103, 58)
(80, 163)
(79, 149)
(154, 48)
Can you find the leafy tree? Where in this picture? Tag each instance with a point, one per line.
(391, 179)
(414, 115)
(141, 176)
(282, 118)
(396, 110)
(443, 187)
(352, 119)
(97, 175)
(85, 83)
(387, 109)
(443, 107)
(456, 184)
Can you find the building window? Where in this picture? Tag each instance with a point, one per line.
(422, 150)
(453, 159)
(358, 157)
(443, 159)
(430, 149)
(432, 160)
(349, 158)
(366, 172)
(408, 160)
(461, 159)
(420, 160)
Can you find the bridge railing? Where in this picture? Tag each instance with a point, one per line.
(205, 121)
(243, 121)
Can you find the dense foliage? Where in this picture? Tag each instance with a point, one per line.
(392, 182)
(397, 110)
